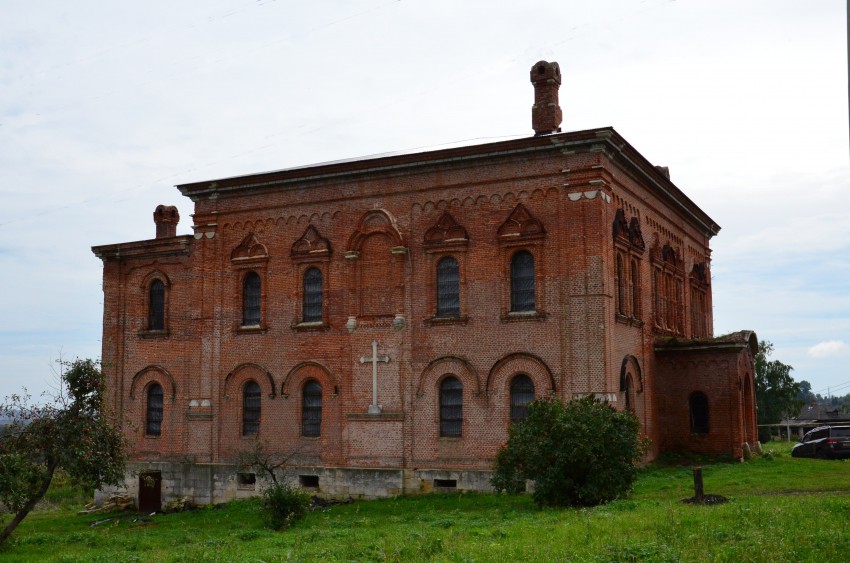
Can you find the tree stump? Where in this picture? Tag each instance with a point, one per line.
(699, 493)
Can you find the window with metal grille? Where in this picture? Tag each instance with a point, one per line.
(311, 409)
(448, 288)
(250, 409)
(699, 413)
(522, 393)
(312, 308)
(522, 281)
(251, 300)
(153, 420)
(156, 306)
(451, 407)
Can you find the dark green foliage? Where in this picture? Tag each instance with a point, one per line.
(776, 391)
(283, 504)
(75, 434)
(580, 453)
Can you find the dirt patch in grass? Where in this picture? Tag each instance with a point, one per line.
(707, 499)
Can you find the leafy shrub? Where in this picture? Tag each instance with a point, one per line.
(283, 504)
(578, 453)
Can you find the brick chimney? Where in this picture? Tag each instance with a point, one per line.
(546, 114)
(166, 218)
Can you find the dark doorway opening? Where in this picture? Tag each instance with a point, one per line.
(150, 491)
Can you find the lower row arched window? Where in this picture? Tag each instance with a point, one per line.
(522, 393)
(311, 409)
(153, 416)
(251, 409)
(698, 404)
(451, 408)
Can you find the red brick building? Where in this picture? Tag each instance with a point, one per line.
(560, 264)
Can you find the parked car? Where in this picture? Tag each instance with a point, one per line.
(827, 442)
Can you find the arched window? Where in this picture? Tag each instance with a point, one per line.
(621, 282)
(448, 288)
(313, 296)
(311, 409)
(522, 281)
(156, 306)
(251, 300)
(153, 419)
(699, 413)
(250, 409)
(522, 393)
(628, 392)
(635, 289)
(451, 407)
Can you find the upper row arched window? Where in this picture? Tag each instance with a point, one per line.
(448, 287)
(251, 299)
(313, 296)
(522, 281)
(156, 305)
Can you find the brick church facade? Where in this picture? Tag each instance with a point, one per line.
(383, 320)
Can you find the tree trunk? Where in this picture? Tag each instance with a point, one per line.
(27, 508)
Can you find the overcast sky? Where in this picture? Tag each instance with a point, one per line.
(104, 106)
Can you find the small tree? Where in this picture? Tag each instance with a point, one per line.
(283, 503)
(579, 453)
(75, 432)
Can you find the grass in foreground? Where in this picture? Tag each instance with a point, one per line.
(780, 509)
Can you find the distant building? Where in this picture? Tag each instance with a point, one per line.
(387, 318)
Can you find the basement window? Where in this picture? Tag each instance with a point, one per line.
(445, 484)
(247, 481)
(308, 481)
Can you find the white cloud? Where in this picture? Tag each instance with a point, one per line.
(830, 348)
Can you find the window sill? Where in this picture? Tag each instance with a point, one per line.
(311, 327)
(153, 334)
(520, 316)
(451, 439)
(627, 320)
(250, 329)
(437, 321)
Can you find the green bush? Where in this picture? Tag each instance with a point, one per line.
(580, 453)
(283, 504)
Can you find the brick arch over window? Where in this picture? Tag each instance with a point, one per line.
(249, 249)
(234, 381)
(153, 373)
(438, 368)
(377, 221)
(502, 372)
(631, 366)
(304, 371)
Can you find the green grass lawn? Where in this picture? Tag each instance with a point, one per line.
(779, 509)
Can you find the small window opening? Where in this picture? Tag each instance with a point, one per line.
(541, 69)
(246, 480)
(308, 481)
(445, 483)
